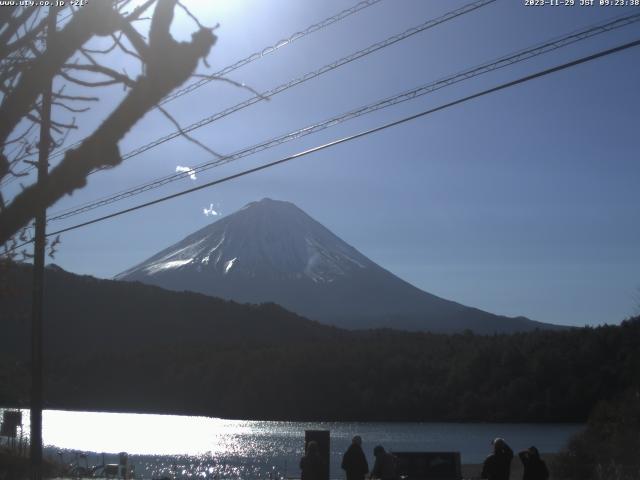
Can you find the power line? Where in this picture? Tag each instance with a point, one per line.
(240, 63)
(333, 143)
(259, 54)
(229, 68)
(309, 76)
(266, 51)
(501, 62)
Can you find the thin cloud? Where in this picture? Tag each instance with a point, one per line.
(189, 170)
(210, 212)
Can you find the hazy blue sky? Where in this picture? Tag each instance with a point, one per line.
(524, 202)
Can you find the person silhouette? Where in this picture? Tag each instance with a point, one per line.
(497, 466)
(354, 462)
(311, 464)
(534, 466)
(386, 465)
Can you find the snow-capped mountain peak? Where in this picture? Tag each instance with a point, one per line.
(271, 251)
(263, 238)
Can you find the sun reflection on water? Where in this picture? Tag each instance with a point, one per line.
(211, 448)
(176, 446)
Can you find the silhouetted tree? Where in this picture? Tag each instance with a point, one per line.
(608, 447)
(28, 63)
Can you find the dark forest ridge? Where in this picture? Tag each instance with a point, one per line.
(272, 251)
(91, 315)
(118, 346)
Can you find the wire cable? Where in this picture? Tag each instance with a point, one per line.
(259, 54)
(266, 51)
(236, 65)
(501, 62)
(503, 86)
(306, 77)
(309, 76)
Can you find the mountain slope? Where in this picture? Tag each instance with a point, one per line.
(85, 316)
(271, 251)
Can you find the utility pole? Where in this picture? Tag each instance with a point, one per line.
(38, 273)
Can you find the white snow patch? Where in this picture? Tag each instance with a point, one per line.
(157, 267)
(218, 245)
(183, 250)
(229, 264)
(325, 264)
(353, 260)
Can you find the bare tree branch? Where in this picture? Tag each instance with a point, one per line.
(168, 65)
(135, 15)
(185, 134)
(75, 98)
(70, 109)
(96, 18)
(14, 23)
(5, 15)
(234, 83)
(136, 40)
(86, 83)
(191, 15)
(28, 37)
(106, 50)
(67, 126)
(116, 76)
(21, 136)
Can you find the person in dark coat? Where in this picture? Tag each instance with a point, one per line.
(386, 465)
(497, 466)
(311, 464)
(534, 466)
(354, 463)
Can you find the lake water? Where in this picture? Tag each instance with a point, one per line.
(201, 447)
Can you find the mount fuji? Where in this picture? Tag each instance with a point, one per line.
(272, 251)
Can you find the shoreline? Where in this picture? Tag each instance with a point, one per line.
(469, 471)
(304, 420)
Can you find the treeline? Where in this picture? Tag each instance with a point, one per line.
(85, 315)
(131, 347)
(609, 445)
(382, 375)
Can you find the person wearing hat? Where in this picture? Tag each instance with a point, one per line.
(354, 463)
(534, 466)
(497, 466)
